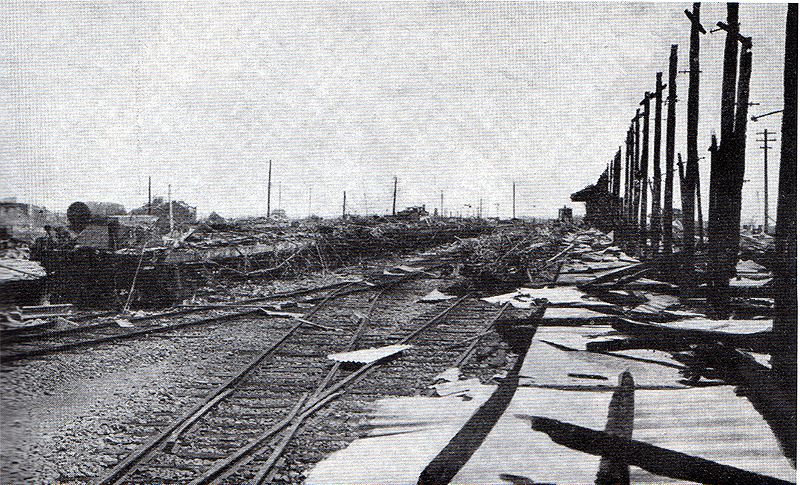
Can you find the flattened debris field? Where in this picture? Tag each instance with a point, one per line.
(443, 358)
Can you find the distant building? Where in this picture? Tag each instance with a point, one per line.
(279, 214)
(565, 214)
(23, 221)
(106, 208)
(599, 203)
(182, 213)
(412, 213)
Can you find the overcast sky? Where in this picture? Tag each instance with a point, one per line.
(456, 97)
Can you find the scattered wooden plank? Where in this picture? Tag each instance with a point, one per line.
(654, 459)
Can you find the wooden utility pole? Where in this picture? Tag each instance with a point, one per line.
(728, 164)
(670, 147)
(344, 204)
(169, 202)
(149, 194)
(627, 197)
(656, 223)
(615, 187)
(513, 200)
(692, 118)
(643, 169)
(785, 324)
(636, 180)
(269, 190)
(441, 203)
(765, 139)
(700, 226)
(394, 198)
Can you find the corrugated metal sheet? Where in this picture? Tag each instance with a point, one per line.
(366, 356)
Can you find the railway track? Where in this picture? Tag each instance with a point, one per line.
(16, 347)
(243, 430)
(20, 346)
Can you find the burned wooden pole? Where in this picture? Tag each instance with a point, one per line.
(628, 171)
(728, 164)
(655, 223)
(700, 226)
(615, 186)
(394, 198)
(670, 148)
(765, 146)
(643, 169)
(693, 111)
(269, 189)
(514, 199)
(692, 119)
(636, 180)
(785, 326)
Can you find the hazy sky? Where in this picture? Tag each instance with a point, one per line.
(456, 97)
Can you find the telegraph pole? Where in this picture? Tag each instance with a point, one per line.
(784, 354)
(269, 189)
(615, 187)
(765, 139)
(670, 147)
(692, 173)
(656, 223)
(637, 186)
(728, 164)
(149, 194)
(628, 202)
(394, 197)
(169, 201)
(513, 200)
(441, 203)
(344, 203)
(644, 167)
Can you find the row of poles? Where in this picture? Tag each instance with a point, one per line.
(629, 180)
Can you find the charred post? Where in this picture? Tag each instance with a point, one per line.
(692, 119)
(655, 223)
(636, 180)
(269, 189)
(670, 148)
(643, 169)
(728, 165)
(785, 326)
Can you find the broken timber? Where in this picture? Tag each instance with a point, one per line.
(654, 459)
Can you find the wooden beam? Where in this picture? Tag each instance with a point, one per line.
(654, 459)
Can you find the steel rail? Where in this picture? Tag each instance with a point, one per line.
(126, 466)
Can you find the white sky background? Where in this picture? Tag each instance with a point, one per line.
(464, 98)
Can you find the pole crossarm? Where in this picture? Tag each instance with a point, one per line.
(695, 20)
(747, 42)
